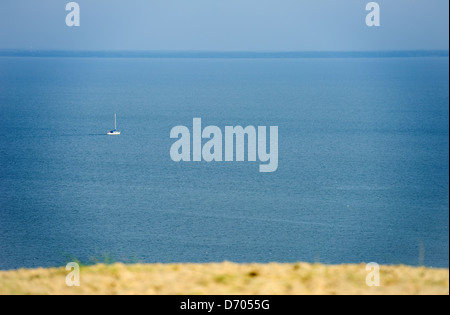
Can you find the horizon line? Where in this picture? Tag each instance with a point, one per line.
(220, 54)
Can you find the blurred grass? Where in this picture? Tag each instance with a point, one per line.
(227, 278)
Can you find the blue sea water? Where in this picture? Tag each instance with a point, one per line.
(363, 161)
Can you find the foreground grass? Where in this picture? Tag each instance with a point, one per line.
(227, 278)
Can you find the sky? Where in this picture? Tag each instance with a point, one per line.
(225, 25)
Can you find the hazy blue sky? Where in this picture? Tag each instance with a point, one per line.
(245, 25)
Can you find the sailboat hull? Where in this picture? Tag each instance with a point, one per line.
(115, 133)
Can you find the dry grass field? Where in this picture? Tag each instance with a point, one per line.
(227, 278)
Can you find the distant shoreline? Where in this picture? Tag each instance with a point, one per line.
(223, 55)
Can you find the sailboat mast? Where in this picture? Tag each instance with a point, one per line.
(115, 122)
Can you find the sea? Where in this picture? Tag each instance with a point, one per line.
(363, 172)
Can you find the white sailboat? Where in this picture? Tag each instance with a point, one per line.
(114, 132)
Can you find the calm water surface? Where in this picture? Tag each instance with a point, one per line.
(363, 161)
